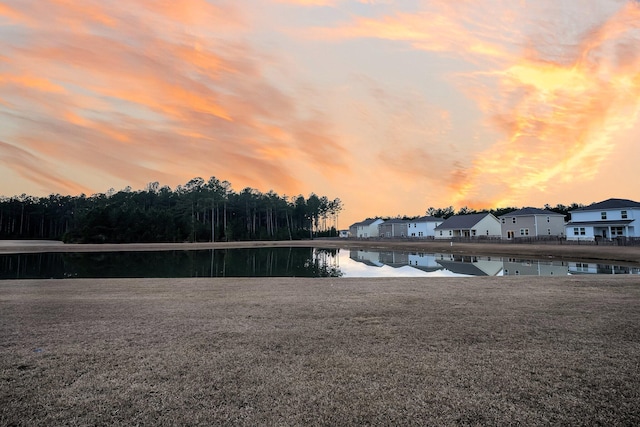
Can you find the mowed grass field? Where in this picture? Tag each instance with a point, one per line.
(291, 351)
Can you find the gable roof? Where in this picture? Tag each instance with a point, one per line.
(531, 211)
(427, 219)
(396, 221)
(610, 204)
(462, 222)
(365, 222)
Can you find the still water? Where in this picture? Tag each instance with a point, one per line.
(285, 262)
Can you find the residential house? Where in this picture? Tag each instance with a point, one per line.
(423, 227)
(365, 229)
(609, 219)
(393, 228)
(472, 226)
(531, 222)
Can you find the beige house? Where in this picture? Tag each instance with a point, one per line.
(482, 225)
(531, 222)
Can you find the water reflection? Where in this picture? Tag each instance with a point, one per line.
(269, 262)
(442, 265)
(285, 262)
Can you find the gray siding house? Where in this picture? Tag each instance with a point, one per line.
(393, 228)
(531, 222)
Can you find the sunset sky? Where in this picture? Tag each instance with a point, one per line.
(392, 106)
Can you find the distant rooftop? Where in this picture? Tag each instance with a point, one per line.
(462, 221)
(427, 219)
(530, 211)
(610, 204)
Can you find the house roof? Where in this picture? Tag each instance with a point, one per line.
(613, 222)
(395, 221)
(531, 211)
(461, 222)
(610, 204)
(365, 222)
(427, 219)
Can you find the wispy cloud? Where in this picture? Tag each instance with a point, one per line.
(159, 90)
(558, 114)
(386, 104)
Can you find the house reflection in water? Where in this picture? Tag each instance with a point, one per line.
(469, 265)
(593, 268)
(523, 267)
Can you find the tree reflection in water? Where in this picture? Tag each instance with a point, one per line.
(260, 262)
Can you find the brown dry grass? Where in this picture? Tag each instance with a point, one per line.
(281, 351)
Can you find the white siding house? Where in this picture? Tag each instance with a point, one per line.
(473, 226)
(365, 229)
(609, 219)
(423, 227)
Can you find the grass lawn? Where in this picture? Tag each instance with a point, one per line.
(290, 351)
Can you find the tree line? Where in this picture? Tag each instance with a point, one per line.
(450, 211)
(198, 211)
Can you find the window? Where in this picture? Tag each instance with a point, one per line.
(603, 215)
(579, 231)
(524, 231)
(582, 267)
(441, 232)
(420, 234)
(514, 219)
(473, 232)
(548, 219)
(617, 231)
(549, 231)
(623, 214)
(450, 232)
(503, 220)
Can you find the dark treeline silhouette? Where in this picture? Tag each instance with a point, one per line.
(450, 211)
(199, 211)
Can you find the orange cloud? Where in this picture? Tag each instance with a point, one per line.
(153, 91)
(561, 118)
(36, 169)
(558, 116)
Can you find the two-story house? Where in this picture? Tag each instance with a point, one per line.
(365, 229)
(393, 228)
(423, 227)
(531, 222)
(609, 219)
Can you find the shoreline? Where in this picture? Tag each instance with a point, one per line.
(621, 254)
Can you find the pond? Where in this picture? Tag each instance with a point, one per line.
(284, 262)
